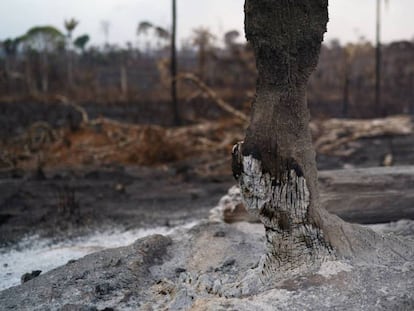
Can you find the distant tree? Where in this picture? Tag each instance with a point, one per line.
(349, 55)
(143, 27)
(10, 48)
(160, 33)
(45, 40)
(378, 57)
(105, 27)
(173, 61)
(230, 38)
(203, 40)
(163, 34)
(81, 42)
(124, 73)
(70, 26)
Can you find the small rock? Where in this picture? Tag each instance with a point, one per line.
(229, 262)
(226, 265)
(127, 296)
(116, 263)
(81, 275)
(102, 289)
(180, 270)
(220, 234)
(30, 276)
(120, 188)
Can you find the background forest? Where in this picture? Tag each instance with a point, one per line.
(46, 62)
(53, 80)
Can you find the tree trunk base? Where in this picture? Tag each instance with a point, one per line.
(298, 240)
(293, 241)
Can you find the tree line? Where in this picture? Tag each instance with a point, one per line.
(46, 62)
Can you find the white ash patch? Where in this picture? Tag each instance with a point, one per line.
(34, 253)
(329, 268)
(403, 227)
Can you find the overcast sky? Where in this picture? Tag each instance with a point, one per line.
(349, 19)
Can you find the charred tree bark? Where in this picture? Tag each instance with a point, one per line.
(278, 169)
(275, 165)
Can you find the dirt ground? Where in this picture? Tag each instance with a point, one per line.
(64, 203)
(67, 203)
(58, 178)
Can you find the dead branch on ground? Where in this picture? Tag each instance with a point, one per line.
(212, 95)
(333, 135)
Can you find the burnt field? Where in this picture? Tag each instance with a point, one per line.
(18, 116)
(125, 168)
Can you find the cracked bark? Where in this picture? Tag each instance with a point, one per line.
(275, 165)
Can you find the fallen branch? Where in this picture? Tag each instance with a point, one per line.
(336, 133)
(212, 95)
(64, 100)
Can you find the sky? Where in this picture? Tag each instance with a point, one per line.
(349, 19)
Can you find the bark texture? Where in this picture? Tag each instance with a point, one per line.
(275, 165)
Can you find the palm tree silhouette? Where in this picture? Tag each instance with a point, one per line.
(70, 26)
(163, 34)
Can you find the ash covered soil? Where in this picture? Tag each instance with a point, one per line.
(201, 267)
(62, 204)
(205, 268)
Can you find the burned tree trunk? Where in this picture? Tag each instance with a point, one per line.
(275, 165)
